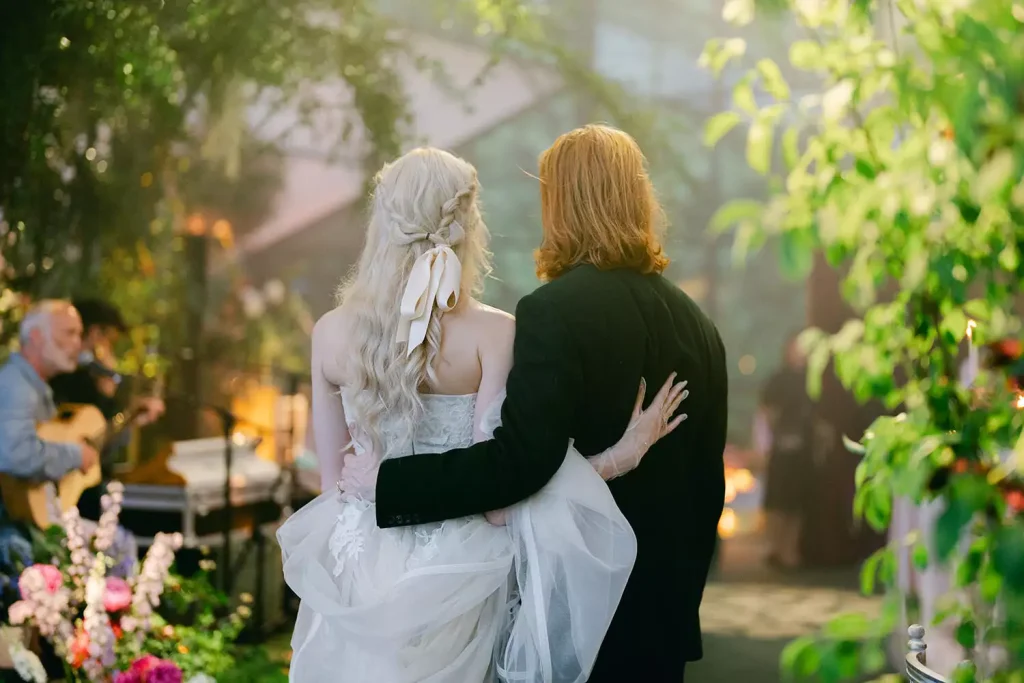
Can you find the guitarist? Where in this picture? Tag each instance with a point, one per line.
(51, 340)
(102, 327)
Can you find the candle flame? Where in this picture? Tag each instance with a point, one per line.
(970, 328)
(1020, 402)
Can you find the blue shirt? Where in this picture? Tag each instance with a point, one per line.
(25, 401)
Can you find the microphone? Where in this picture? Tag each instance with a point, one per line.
(87, 361)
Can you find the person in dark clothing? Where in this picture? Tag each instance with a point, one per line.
(605, 319)
(790, 415)
(103, 327)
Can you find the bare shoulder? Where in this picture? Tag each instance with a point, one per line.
(493, 324)
(330, 337)
(330, 328)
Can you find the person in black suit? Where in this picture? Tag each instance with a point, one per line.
(605, 319)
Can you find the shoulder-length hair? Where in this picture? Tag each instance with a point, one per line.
(598, 205)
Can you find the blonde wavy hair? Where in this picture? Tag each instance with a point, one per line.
(421, 193)
(598, 205)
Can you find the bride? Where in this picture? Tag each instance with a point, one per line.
(409, 362)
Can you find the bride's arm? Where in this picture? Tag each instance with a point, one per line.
(330, 431)
(495, 356)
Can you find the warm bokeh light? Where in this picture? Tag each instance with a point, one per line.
(222, 232)
(737, 481)
(747, 364)
(195, 225)
(728, 523)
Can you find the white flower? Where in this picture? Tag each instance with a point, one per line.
(275, 291)
(252, 303)
(27, 664)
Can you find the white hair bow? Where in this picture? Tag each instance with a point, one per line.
(435, 280)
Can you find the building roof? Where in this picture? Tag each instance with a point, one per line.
(444, 114)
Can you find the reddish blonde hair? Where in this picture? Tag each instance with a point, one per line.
(597, 205)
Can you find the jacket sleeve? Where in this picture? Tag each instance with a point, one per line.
(526, 450)
(23, 454)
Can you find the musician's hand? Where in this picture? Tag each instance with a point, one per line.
(90, 457)
(152, 409)
(106, 386)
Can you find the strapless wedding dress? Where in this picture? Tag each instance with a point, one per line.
(461, 601)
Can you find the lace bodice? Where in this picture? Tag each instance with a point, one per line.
(447, 423)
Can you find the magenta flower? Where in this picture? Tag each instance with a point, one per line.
(118, 595)
(51, 576)
(129, 676)
(164, 672)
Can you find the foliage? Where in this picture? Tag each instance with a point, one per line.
(905, 171)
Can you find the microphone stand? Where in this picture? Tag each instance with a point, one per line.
(229, 422)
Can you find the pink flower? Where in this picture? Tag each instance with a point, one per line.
(20, 612)
(118, 595)
(51, 577)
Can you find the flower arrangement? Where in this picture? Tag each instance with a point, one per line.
(109, 629)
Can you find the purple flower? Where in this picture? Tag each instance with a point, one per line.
(164, 672)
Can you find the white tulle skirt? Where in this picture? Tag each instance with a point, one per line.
(461, 601)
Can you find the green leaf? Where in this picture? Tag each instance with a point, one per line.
(852, 626)
(966, 634)
(801, 657)
(791, 147)
(851, 333)
(950, 525)
(796, 254)
(869, 571)
(805, 55)
(1008, 555)
(719, 125)
(743, 96)
(735, 211)
(853, 446)
(954, 325)
(965, 672)
(759, 145)
(919, 556)
(738, 12)
(995, 175)
(772, 79)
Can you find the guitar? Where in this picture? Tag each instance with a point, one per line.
(29, 501)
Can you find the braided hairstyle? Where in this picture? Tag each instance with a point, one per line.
(417, 199)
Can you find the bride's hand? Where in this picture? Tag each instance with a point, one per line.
(359, 474)
(645, 428)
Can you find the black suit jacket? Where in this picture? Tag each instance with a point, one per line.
(582, 344)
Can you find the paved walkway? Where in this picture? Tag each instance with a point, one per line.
(750, 612)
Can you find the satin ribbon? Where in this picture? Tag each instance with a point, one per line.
(435, 280)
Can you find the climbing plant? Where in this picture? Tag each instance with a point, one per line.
(905, 171)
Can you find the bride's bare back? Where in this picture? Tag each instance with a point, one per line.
(475, 357)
